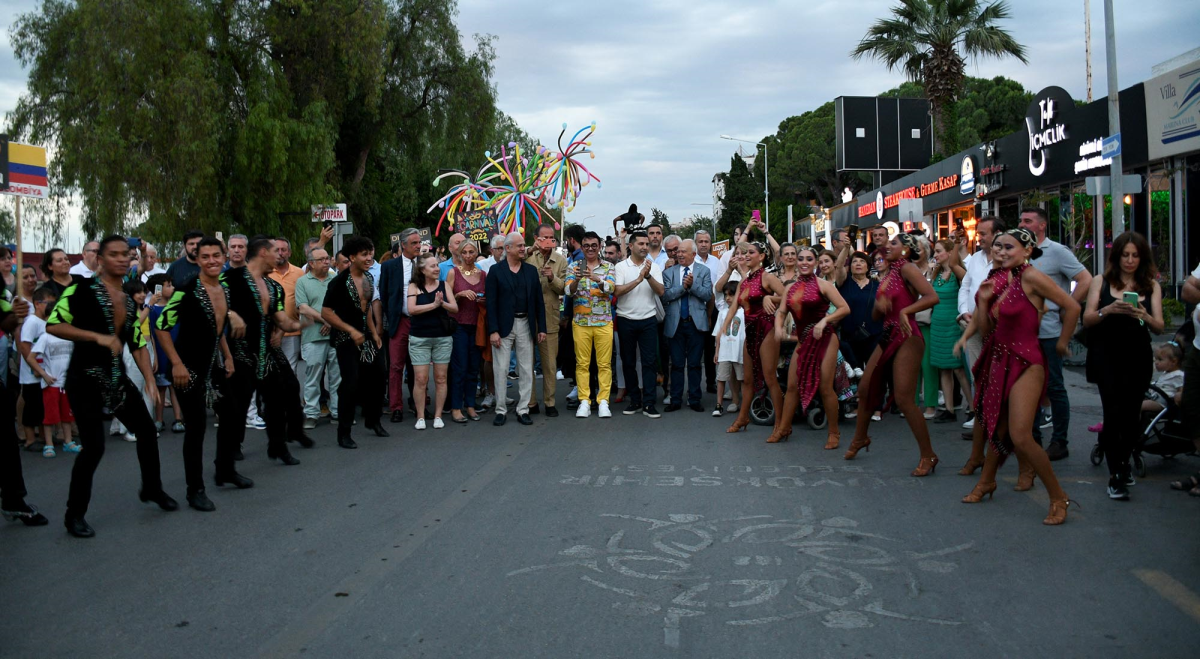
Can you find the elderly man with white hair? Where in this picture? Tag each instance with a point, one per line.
(496, 253)
(516, 314)
(150, 265)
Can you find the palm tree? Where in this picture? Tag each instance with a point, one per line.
(928, 39)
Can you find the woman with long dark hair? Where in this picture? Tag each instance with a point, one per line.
(1123, 307)
(431, 342)
(57, 268)
(903, 292)
(816, 355)
(758, 294)
(860, 332)
(1010, 375)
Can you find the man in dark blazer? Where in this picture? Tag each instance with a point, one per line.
(516, 314)
(394, 275)
(687, 289)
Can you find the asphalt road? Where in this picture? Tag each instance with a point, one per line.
(601, 538)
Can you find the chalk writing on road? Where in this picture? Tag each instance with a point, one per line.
(754, 570)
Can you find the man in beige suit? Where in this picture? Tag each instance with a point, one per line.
(552, 268)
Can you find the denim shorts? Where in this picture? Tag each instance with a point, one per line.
(423, 350)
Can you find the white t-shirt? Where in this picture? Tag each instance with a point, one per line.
(156, 270)
(81, 269)
(716, 269)
(1170, 382)
(1196, 314)
(55, 357)
(731, 343)
(637, 304)
(31, 330)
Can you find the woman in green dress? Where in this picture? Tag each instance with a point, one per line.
(944, 329)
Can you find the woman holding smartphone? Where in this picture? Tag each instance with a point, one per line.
(1123, 307)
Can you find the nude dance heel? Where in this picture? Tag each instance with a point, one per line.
(1025, 479)
(832, 442)
(980, 491)
(971, 467)
(738, 426)
(779, 436)
(925, 467)
(1058, 512)
(857, 445)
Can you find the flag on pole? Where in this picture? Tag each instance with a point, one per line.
(27, 171)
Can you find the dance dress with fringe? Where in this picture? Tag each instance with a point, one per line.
(891, 338)
(759, 323)
(808, 307)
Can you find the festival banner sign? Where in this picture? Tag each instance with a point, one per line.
(478, 225)
(26, 171)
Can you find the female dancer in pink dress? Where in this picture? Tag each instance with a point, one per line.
(758, 295)
(1010, 376)
(903, 292)
(815, 359)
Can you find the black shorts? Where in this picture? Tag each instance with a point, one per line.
(1190, 403)
(34, 412)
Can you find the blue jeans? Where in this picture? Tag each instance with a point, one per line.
(1060, 404)
(687, 347)
(643, 335)
(464, 368)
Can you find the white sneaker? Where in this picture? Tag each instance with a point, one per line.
(970, 424)
(584, 411)
(256, 422)
(941, 399)
(853, 414)
(849, 371)
(488, 401)
(130, 437)
(604, 413)
(574, 395)
(666, 400)
(717, 412)
(876, 417)
(437, 423)
(559, 376)
(420, 425)
(731, 408)
(728, 395)
(858, 373)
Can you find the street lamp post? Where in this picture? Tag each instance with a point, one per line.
(766, 175)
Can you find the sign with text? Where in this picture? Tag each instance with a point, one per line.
(1173, 112)
(1111, 147)
(426, 239)
(478, 225)
(25, 170)
(720, 248)
(329, 213)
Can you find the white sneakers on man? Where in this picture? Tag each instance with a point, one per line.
(420, 424)
(584, 411)
(604, 412)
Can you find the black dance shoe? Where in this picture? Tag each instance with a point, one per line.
(165, 502)
(283, 456)
(379, 430)
(551, 412)
(499, 420)
(28, 515)
(233, 478)
(79, 528)
(346, 442)
(397, 416)
(200, 501)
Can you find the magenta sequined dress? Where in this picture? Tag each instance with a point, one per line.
(808, 307)
(895, 288)
(759, 323)
(1008, 351)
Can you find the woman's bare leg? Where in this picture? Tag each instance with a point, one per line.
(829, 399)
(905, 371)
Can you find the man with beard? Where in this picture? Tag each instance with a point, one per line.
(186, 268)
(101, 319)
(357, 340)
(201, 311)
(258, 302)
(657, 253)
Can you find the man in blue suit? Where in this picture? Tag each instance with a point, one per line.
(687, 289)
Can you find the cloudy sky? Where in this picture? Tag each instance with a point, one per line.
(664, 79)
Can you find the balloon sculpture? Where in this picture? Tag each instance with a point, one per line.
(518, 189)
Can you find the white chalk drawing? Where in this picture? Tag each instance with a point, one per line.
(796, 568)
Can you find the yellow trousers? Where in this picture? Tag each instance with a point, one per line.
(602, 339)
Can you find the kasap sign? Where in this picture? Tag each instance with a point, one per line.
(1173, 112)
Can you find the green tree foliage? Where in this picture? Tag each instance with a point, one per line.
(236, 115)
(928, 39)
(660, 218)
(741, 195)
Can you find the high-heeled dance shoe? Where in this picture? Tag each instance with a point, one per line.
(28, 515)
(161, 498)
(973, 465)
(779, 436)
(925, 467)
(857, 445)
(1025, 480)
(980, 491)
(1058, 512)
(832, 442)
(738, 426)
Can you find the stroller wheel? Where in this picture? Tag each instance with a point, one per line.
(816, 418)
(762, 411)
(1097, 455)
(1139, 465)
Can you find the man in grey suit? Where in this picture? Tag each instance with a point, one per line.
(687, 289)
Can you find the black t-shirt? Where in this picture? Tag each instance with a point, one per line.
(252, 349)
(87, 305)
(429, 324)
(191, 310)
(182, 271)
(343, 298)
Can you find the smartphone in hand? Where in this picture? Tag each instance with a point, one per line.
(1130, 298)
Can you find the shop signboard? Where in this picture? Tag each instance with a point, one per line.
(719, 248)
(1173, 112)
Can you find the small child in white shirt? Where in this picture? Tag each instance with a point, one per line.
(1168, 360)
(54, 355)
(729, 350)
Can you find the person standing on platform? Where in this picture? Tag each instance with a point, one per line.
(552, 268)
(97, 315)
(516, 313)
(201, 312)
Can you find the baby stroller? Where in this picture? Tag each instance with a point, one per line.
(1164, 434)
(762, 410)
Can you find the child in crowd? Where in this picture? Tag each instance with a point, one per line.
(729, 350)
(54, 356)
(1168, 360)
(30, 373)
(135, 289)
(160, 290)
